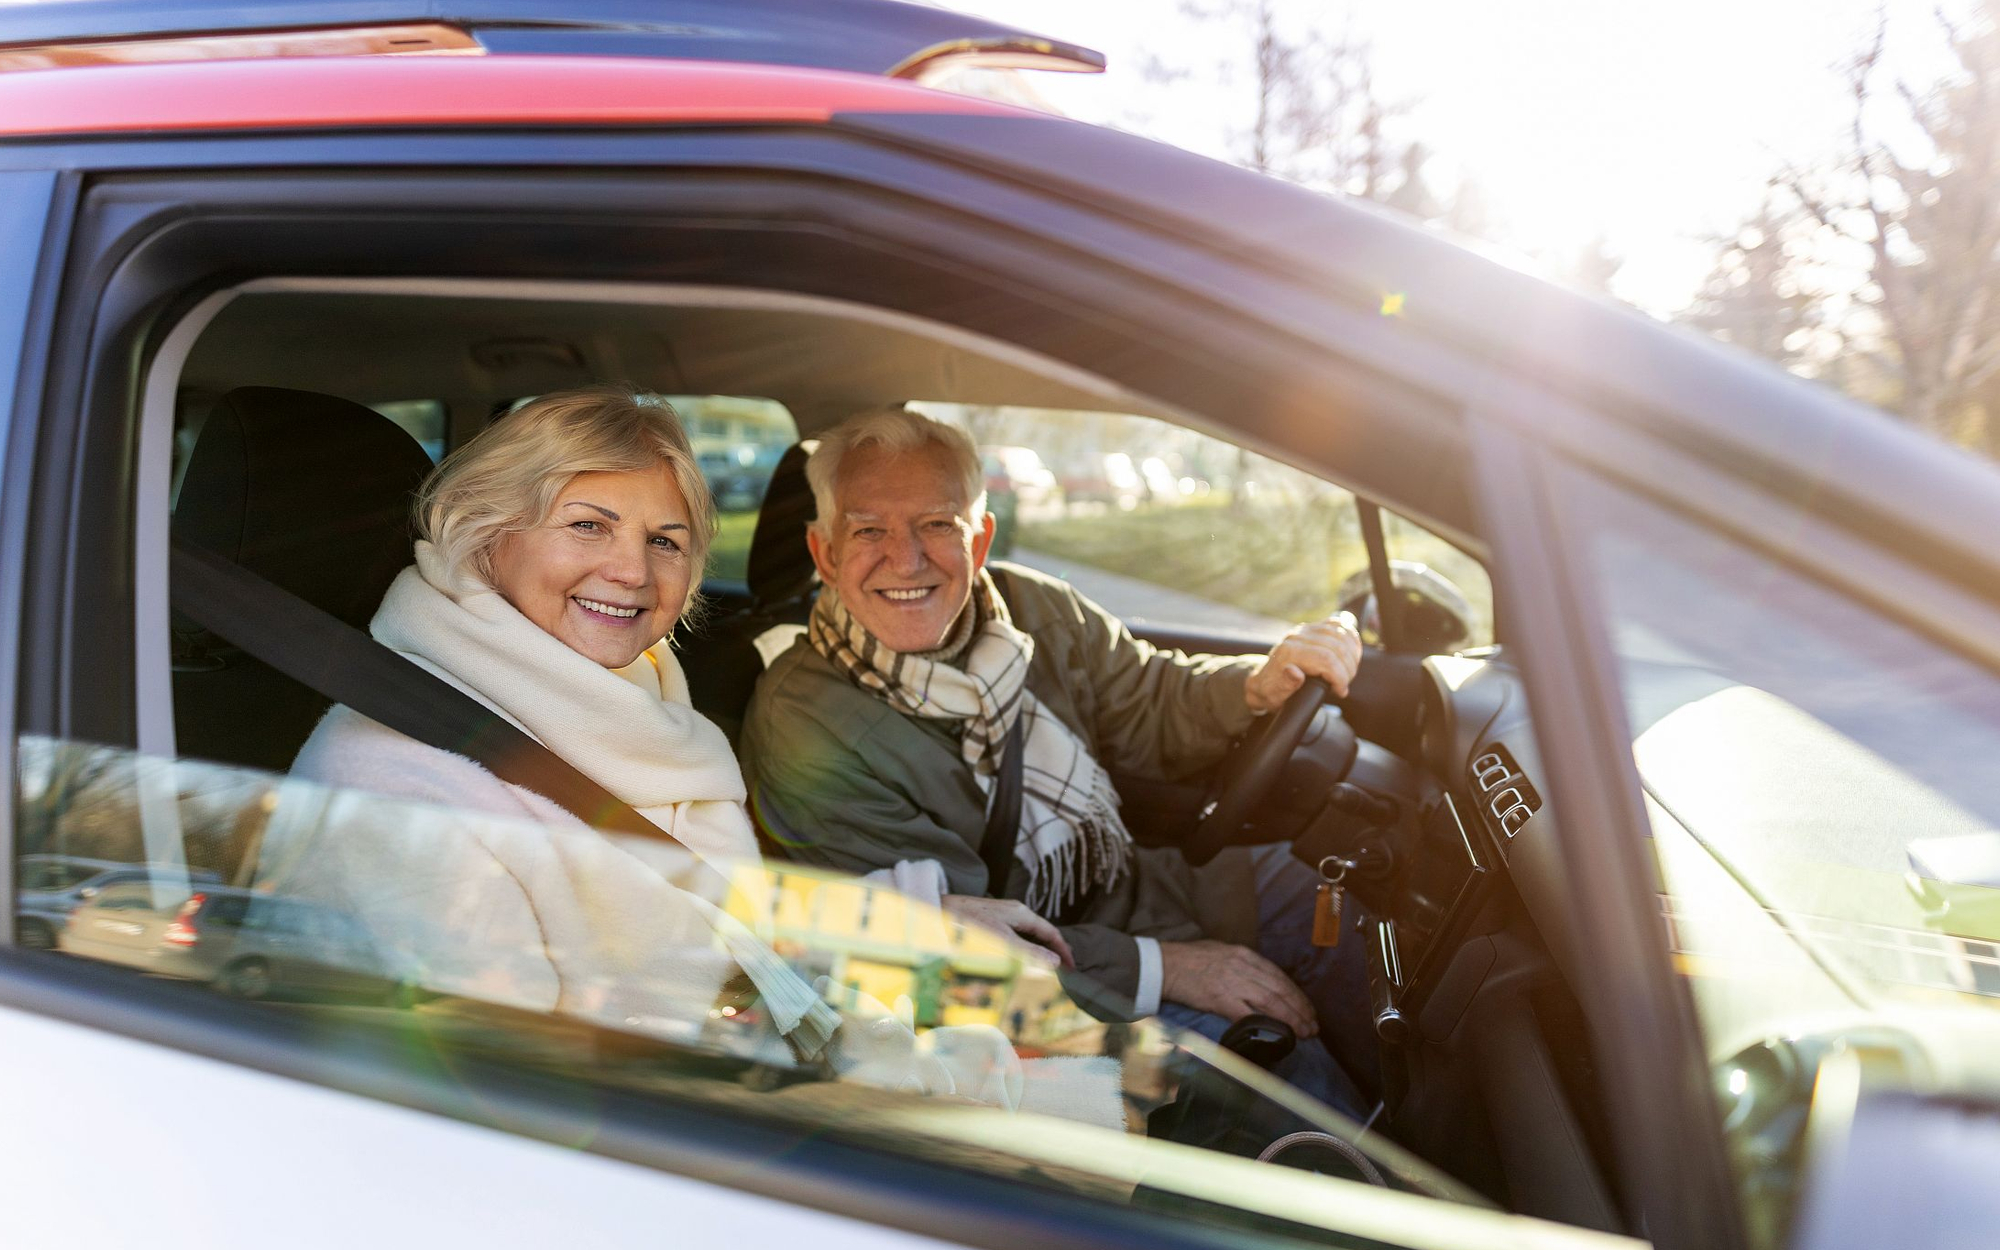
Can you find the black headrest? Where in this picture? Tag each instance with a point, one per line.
(307, 491)
(781, 566)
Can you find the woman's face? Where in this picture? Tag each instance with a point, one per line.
(607, 571)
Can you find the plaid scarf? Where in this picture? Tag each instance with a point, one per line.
(1071, 841)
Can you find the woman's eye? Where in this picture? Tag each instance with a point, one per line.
(588, 527)
(664, 543)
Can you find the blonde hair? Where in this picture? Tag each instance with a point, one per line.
(507, 478)
(898, 429)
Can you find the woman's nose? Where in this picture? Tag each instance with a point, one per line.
(625, 563)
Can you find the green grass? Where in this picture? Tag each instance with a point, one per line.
(1285, 561)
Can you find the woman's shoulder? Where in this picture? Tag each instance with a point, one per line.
(348, 751)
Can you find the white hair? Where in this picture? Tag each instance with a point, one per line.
(897, 429)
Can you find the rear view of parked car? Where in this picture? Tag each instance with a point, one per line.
(53, 886)
(248, 944)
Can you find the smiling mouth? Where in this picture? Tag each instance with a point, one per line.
(914, 595)
(600, 608)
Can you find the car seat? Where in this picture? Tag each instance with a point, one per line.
(723, 658)
(312, 493)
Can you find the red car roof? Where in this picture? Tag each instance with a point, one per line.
(445, 91)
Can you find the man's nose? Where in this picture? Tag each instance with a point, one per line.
(906, 553)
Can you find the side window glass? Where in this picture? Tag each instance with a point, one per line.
(260, 886)
(737, 442)
(1446, 598)
(1161, 525)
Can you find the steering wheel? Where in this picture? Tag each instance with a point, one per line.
(1255, 767)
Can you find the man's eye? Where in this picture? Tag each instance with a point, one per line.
(868, 531)
(941, 527)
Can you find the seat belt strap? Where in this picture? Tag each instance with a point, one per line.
(343, 664)
(1003, 814)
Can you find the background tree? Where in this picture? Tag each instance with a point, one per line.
(1915, 222)
(1313, 113)
(1755, 297)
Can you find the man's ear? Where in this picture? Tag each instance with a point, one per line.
(822, 553)
(982, 542)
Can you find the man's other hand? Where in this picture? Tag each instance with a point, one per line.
(1328, 649)
(1231, 982)
(1009, 918)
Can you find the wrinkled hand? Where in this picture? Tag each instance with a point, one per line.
(1012, 919)
(1328, 649)
(1232, 982)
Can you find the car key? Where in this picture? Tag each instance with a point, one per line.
(1328, 899)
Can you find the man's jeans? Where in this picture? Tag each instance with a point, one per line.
(1335, 980)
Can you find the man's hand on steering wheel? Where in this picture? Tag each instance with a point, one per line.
(1329, 650)
(1291, 684)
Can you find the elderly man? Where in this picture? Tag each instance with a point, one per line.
(874, 744)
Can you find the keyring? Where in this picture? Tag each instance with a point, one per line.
(1334, 878)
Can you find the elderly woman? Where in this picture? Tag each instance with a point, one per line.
(556, 552)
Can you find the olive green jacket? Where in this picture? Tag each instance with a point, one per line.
(840, 779)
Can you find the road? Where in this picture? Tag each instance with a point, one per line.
(1142, 603)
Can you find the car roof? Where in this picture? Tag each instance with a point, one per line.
(365, 92)
(864, 36)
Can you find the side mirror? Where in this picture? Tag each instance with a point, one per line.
(1434, 615)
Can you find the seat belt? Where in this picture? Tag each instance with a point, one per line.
(1003, 814)
(340, 662)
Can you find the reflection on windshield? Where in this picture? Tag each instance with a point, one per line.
(766, 981)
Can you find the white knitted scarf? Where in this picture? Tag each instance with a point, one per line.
(631, 730)
(1072, 840)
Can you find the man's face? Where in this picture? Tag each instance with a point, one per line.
(901, 548)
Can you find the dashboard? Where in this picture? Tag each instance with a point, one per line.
(1469, 978)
